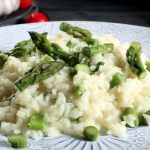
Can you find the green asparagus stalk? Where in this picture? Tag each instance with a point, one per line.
(22, 49)
(57, 47)
(136, 65)
(52, 49)
(46, 58)
(77, 32)
(91, 41)
(3, 59)
(18, 52)
(92, 50)
(137, 47)
(38, 73)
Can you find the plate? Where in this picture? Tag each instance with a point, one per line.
(138, 138)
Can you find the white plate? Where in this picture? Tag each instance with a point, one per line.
(138, 138)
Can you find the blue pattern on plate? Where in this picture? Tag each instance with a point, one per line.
(138, 139)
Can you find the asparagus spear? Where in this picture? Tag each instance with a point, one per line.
(77, 32)
(44, 45)
(38, 73)
(57, 47)
(46, 58)
(3, 59)
(134, 60)
(92, 50)
(137, 47)
(22, 49)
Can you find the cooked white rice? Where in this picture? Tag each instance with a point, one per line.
(99, 106)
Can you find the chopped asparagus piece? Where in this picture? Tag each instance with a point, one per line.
(79, 67)
(82, 67)
(91, 133)
(52, 49)
(3, 59)
(136, 65)
(79, 90)
(25, 81)
(71, 71)
(91, 41)
(37, 121)
(133, 112)
(17, 141)
(97, 67)
(93, 50)
(85, 60)
(70, 45)
(46, 58)
(144, 121)
(77, 32)
(39, 73)
(10, 98)
(117, 79)
(137, 47)
(148, 65)
(73, 119)
(77, 53)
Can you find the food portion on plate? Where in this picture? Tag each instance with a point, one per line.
(73, 83)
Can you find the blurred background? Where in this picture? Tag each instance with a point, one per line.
(117, 11)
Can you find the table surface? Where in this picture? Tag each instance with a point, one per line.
(117, 11)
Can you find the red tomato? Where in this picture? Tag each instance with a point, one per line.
(25, 3)
(36, 17)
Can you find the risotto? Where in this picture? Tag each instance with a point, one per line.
(98, 106)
